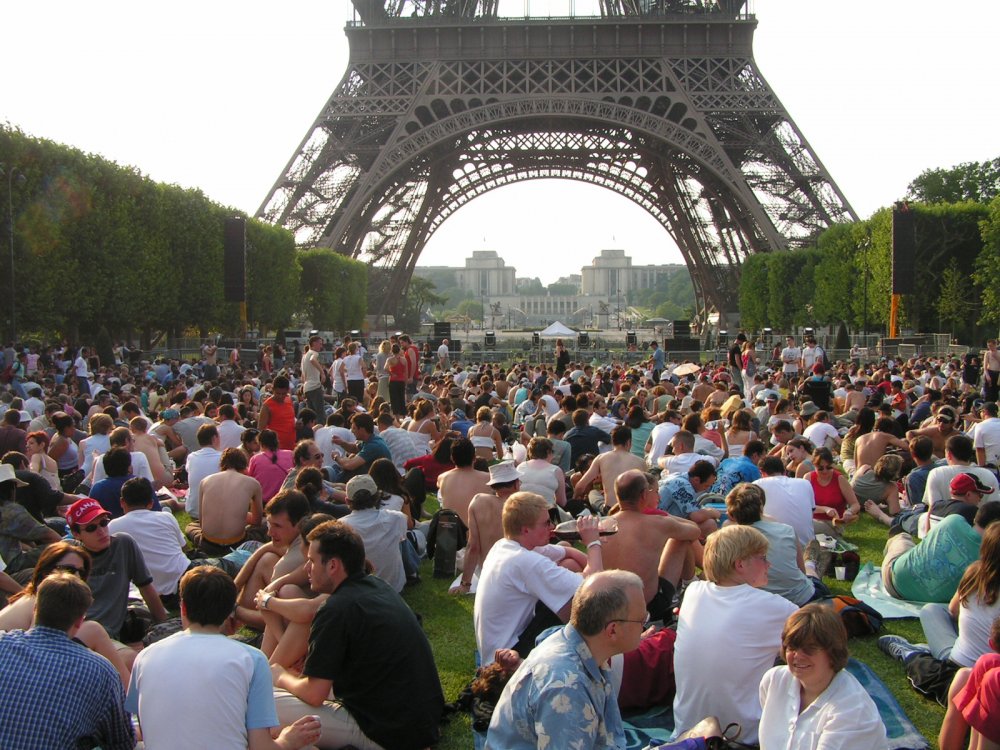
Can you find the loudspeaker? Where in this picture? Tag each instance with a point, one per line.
(491, 340)
(442, 330)
(234, 260)
(904, 250)
(681, 345)
(583, 340)
(536, 340)
(682, 329)
(723, 341)
(630, 339)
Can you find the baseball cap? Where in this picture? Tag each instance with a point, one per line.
(503, 472)
(85, 510)
(966, 482)
(946, 414)
(170, 414)
(25, 416)
(361, 483)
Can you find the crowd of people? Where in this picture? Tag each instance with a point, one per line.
(702, 504)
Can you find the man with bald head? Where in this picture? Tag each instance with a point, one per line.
(660, 549)
(562, 693)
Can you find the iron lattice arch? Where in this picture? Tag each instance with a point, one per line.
(673, 115)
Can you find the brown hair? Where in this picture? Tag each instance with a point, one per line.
(817, 626)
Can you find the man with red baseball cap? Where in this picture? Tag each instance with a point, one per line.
(117, 562)
(966, 491)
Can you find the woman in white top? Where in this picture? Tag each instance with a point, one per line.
(960, 630)
(39, 461)
(740, 433)
(99, 442)
(813, 701)
(352, 370)
(485, 437)
(423, 421)
(542, 477)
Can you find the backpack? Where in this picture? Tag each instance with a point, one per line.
(858, 617)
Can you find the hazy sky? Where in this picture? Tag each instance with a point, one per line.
(217, 95)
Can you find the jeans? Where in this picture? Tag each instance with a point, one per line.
(940, 629)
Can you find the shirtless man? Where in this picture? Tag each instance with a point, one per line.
(153, 449)
(871, 447)
(939, 432)
(485, 519)
(457, 487)
(657, 548)
(703, 390)
(991, 371)
(231, 506)
(853, 401)
(609, 466)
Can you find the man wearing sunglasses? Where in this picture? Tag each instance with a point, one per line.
(118, 561)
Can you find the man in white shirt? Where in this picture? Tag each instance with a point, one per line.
(821, 433)
(230, 432)
(791, 355)
(684, 457)
(443, 356)
(526, 584)
(987, 441)
(549, 403)
(959, 453)
(121, 437)
(82, 372)
(200, 464)
(157, 534)
(661, 435)
(600, 418)
(787, 500)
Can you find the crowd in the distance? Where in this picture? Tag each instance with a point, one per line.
(719, 492)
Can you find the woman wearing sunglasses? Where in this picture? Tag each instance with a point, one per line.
(61, 556)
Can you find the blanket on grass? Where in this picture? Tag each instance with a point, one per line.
(868, 588)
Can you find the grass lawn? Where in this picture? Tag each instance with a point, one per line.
(447, 622)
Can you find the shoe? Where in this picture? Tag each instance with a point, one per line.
(900, 649)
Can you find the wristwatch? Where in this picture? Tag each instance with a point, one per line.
(264, 600)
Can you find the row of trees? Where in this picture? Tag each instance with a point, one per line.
(101, 245)
(847, 276)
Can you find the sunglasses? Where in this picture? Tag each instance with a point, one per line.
(91, 528)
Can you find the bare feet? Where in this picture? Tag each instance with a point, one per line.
(872, 509)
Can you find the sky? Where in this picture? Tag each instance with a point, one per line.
(217, 95)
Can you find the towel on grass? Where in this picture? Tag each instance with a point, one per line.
(869, 589)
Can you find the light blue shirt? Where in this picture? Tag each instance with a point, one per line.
(677, 496)
(559, 697)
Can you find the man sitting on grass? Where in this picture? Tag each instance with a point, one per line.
(199, 688)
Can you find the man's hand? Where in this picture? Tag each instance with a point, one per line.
(300, 733)
(588, 528)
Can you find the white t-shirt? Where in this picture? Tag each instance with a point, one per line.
(311, 368)
(352, 367)
(338, 381)
(382, 531)
(679, 464)
(939, 481)
(790, 357)
(988, 438)
(200, 690)
(230, 434)
(512, 582)
(819, 432)
(161, 541)
(200, 464)
(443, 351)
(725, 630)
(843, 717)
(974, 623)
(790, 501)
(661, 436)
(550, 405)
(140, 468)
(810, 356)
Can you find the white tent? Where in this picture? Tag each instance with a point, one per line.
(556, 330)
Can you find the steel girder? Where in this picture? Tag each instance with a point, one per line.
(699, 140)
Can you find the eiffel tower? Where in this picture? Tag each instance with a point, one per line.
(660, 101)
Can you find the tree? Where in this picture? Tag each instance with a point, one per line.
(470, 308)
(987, 266)
(532, 287)
(753, 291)
(562, 288)
(953, 305)
(334, 289)
(969, 181)
(420, 296)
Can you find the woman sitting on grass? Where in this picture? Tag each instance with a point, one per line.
(974, 703)
(876, 487)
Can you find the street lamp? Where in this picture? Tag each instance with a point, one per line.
(10, 171)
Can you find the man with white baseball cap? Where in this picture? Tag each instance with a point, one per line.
(381, 529)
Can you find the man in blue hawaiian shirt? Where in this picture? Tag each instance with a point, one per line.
(562, 694)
